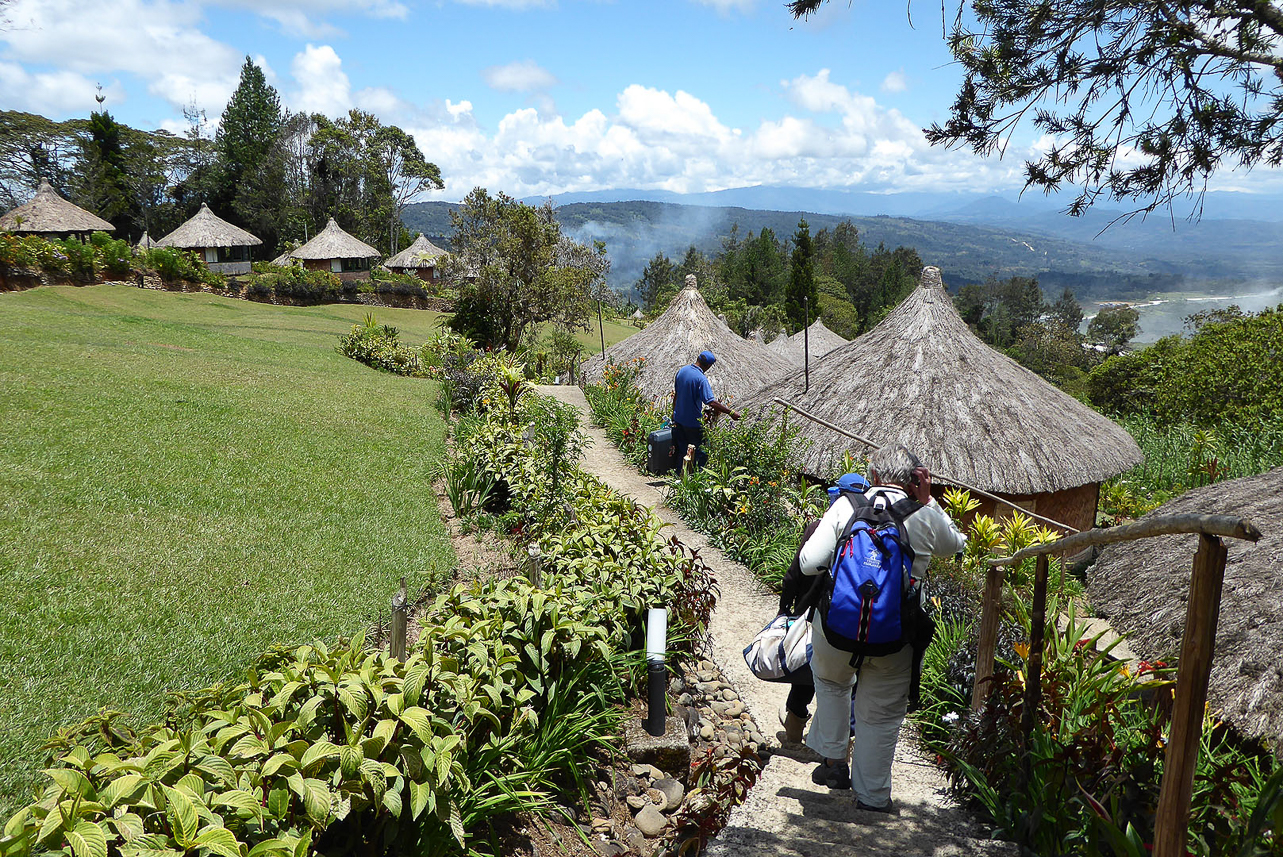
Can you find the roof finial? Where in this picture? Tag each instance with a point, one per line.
(690, 281)
(931, 278)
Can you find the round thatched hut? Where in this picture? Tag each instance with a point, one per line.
(922, 378)
(817, 338)
(673, 340)
(146, 242)
(420, 260)
(333, 250)
(224, 247)
(1142, 588)
(50, 216)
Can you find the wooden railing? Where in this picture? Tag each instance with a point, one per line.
(1193, 670)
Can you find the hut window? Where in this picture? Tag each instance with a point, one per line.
(233, 254)
(336, 266)
(356, 264)
(211, 255)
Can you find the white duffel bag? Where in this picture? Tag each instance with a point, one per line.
(781, 648)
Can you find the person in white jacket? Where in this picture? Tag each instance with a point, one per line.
(881, 697)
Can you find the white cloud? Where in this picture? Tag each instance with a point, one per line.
(306, 18)
(323, 86)
(895, 82)
(511, 4)
(520, 76)
(56, 92)
(159, 42)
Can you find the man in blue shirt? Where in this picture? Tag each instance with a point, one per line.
(691, 393)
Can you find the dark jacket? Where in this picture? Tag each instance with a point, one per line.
(801, 592)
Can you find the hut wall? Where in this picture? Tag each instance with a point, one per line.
(316, 264)
(233, 268)
(1073, 506)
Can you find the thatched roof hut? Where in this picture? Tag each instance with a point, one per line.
(51, 216)
(673, 340)
(817, 338)
(922, 378)
(420, 259)
(1142, 588)
(333, 250)
(224, 247)
(146, 242)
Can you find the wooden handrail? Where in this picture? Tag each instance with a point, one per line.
(943, 476)
(1212, 525)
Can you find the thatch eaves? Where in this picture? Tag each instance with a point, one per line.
(1142, 587)
(206, 229)
(674, 339)
(420, 254)
(331, 243)
(922, 378)
(47, 212)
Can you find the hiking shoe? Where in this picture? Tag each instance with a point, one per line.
(889, 809)
(835, 776)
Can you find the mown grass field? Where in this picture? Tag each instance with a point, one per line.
(185, 481)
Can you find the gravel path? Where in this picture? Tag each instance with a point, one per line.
(786, 814)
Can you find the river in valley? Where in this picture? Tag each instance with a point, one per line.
(1163, 315)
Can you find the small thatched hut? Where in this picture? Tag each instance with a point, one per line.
(420, 260)
(224, 247)
(673, 340)
(50, 216)
(817, 338)
(146, 242)
(922, 378)
(333, 250)
(1142, 588)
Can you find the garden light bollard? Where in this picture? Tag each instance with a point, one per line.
(656, 669)
(400, 605)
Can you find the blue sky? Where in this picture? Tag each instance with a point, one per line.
(542, 96)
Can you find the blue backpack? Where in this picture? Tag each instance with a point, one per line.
(872, 606)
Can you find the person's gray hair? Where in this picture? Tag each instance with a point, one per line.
(894, 464)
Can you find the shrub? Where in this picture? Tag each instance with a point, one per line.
(174, 265)
(295, 283)
(387, 282)
(380, 346)
(111, 255)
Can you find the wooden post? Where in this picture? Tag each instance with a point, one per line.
(1033, 664)
(989, 620)
(400, 617)
(1171, 824)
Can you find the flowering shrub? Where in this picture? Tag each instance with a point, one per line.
(173, 265)
(379, 345)
(82, 262)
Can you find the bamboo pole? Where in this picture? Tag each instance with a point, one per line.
(400, 620)
(934, 474)
(1172, 821)
(990, 617)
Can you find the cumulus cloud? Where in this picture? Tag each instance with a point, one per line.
(159, 42)
(895, 82)
(323, 86)
(306, 18)
(58, 92)
(520, 76)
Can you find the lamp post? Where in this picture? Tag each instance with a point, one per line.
(656, 669)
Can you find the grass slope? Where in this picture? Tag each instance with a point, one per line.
(185, 481)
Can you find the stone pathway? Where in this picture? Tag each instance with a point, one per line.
(786, 814)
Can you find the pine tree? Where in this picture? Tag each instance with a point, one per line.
(248, 191)
(802, 293)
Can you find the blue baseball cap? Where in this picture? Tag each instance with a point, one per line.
(708, 358)
(848, 482)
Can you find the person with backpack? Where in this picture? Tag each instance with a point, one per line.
(869, 624)
(799, 594)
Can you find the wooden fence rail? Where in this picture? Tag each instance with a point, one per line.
(1194, 670)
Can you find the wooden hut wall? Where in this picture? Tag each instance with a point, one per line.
(1073, 506)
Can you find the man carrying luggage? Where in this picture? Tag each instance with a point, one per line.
(691, 393)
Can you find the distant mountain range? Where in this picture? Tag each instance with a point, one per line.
(969, 236)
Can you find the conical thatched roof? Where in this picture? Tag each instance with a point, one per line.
(821, 342)
(146, 242)
(420, 254)
(331, 243)
(922, 378)
(1142, 587)
(674, 339)
(206, 229)
(49, 212)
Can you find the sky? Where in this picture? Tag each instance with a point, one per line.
(539, 97)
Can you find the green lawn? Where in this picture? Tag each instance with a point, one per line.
(186, 480)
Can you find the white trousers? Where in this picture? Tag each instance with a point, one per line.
(872, 721)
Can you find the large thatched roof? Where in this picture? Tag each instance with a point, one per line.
(818, 339)
(206, 229)
(922, 378)
(421, 254)
(49, 212)
(330, 243)
(674, 339)
(1142, 588)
